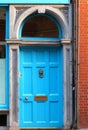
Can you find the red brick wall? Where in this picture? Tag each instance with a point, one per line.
(82, 94)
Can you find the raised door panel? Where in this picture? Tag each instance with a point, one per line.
(41, 84)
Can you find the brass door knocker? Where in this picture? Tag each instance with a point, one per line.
(41, 73)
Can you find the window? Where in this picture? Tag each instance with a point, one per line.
(2, 74)
(41, 26)
(3, 120)
(2, 24)
(2, 51)
(3, 60)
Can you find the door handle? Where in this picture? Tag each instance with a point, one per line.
(26, 98)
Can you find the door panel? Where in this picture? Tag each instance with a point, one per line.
(41, 99)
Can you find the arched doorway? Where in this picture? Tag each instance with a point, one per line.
(40, 27)
(43, 57)
(41, 65)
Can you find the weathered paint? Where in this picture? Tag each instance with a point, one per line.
(14, 98)
(35, 2)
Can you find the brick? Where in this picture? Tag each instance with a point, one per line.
(82, 114)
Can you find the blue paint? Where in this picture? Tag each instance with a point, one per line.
(5, 105)
(49, 113)
(7, 76)
(38, 38)
(35, 2)
(3, 5)
(7, 58)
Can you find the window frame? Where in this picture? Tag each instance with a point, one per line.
(40, 38)
(6, 105)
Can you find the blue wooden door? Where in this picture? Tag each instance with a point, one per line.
(41, 88)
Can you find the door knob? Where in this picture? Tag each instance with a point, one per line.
(26, 98)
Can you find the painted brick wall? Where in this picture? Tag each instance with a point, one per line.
(82, 64)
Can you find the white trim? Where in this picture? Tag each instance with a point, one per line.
(70, 21)
(45, 42)
(17, 21)
(67, 86)
(12, 123)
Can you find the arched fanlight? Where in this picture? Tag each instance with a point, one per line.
(41, 26)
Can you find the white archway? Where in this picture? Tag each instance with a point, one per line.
(56, 13)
